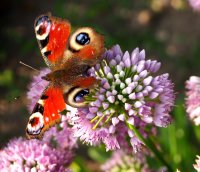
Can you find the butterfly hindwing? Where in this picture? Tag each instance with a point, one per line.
(52, 34)
(46, 112)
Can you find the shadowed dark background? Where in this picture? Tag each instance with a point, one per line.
(167, 30)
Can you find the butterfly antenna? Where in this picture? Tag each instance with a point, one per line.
(18, 97)
(33, 69)
(28, 66)
(36, 83)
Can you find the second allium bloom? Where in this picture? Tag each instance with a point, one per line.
(193, 99)
(195, 4)
(129, 93)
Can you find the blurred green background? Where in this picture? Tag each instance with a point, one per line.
(167, 29)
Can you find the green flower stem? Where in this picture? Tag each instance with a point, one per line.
(149, 143)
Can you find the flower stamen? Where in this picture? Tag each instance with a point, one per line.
(96, 125)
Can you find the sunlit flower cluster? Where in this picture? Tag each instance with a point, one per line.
(33, 155)
(129, 93)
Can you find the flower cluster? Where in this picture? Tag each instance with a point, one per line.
(33, 155)
(193, 99)
(122, 162)
(53, 153)
(129, 93)
(195, 4)
(61, 137)
(197, 165)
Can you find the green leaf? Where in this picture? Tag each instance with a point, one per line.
(98, 154)
(6, 77)
(78, 165)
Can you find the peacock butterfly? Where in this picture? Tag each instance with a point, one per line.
(69, 56)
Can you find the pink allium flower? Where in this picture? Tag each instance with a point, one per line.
(121, 161)
(61, 136)
(36, 88)
(193, 99)
(195, 4)
(129, 93)
(33, 155)
(197, 165)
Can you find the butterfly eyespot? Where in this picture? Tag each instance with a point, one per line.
(79, 97)
(35, 124)
(83, 38)
(75, 97)
(42, 29)
(34, 121)
(41, 19)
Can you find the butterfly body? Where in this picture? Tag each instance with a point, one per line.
(69, 56)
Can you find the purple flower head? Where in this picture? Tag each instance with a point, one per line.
(193, 99)
(36, 88)
(195, 4)
(120, 161)
(129, 93)
(61, 137)
(197, 165)
(33, 155)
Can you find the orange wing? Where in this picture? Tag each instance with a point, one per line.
(46, 112)
(52, 34)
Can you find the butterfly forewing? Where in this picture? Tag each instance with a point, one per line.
(52, 35)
